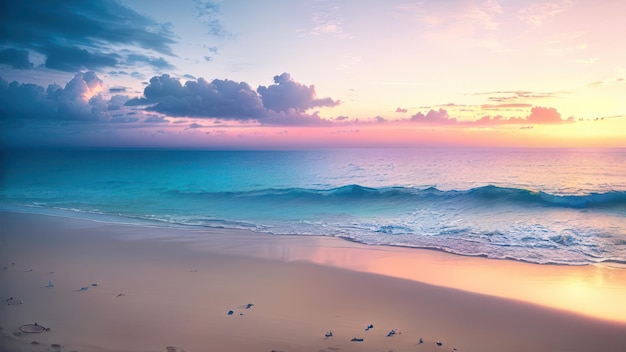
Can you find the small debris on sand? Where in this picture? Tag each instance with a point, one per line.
(33, 328)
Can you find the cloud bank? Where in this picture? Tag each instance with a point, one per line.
(79, 100)
(538, 116)
(85, 107)
(284, 102)
(286, 95)
(216, 99)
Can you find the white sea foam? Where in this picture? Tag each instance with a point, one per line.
(550, 206)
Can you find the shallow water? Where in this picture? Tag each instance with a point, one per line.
(564, 206)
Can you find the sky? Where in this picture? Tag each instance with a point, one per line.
(238, 74)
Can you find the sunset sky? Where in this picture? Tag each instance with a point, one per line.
(308, 74)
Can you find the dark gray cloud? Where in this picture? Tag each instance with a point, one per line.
(117, 89)
(116, 103)
(15, 58)
(23, 100)
(77, 101)
(288, 95)
(76, 35)
(138, 102)
(226, 99)
(200, 98)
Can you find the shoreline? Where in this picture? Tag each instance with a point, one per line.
(300, 286)
(547, 285)
(148, 223)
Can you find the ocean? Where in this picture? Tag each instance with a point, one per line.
(561, 206)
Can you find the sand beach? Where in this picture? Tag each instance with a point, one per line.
(101, 286)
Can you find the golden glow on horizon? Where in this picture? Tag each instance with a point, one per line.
(492, 60)
(605, 133)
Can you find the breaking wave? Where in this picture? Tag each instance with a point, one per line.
(480, 195)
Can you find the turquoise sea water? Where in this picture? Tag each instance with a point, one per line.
(537, 205)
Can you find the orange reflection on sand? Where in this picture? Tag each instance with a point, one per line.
(577, 289)
(593, 290)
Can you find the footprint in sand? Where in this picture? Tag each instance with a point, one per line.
(173, 349)
(12, 301)
(33, 328)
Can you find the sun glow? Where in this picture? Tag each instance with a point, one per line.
(91, 92)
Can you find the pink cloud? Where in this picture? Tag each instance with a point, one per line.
(434, 117)
(538, 116)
